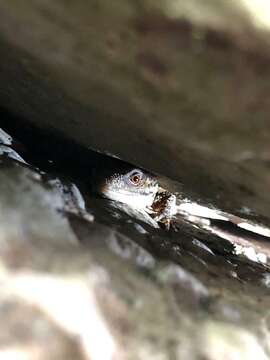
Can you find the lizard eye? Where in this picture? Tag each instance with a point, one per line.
(135, 177)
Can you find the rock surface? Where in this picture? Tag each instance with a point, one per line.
(90, 291)
(172, 86)
(171, 74)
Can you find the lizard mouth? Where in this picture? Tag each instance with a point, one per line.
(143, 199)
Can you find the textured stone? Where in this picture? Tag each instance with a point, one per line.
(72, 288)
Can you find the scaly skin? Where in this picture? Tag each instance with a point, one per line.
(135, 188)
(144, 194)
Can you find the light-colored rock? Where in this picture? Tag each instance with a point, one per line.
(110, 298)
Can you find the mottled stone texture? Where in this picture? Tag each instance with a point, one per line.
(71, 288)
(137, 77)
(173, 86)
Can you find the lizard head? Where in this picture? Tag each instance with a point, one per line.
(136, 188)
